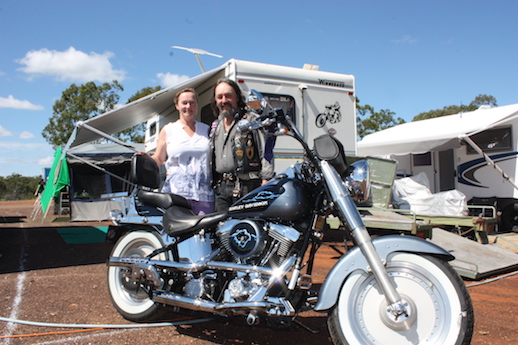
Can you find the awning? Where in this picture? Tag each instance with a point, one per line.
(131, 114)
(434, 134)
(104, 153)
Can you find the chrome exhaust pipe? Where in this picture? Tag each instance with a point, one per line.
(184, 302)
(197, 304)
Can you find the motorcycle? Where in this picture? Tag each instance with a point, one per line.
(255, 261)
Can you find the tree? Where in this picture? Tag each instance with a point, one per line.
(455, 109)
(376, 120)
(3, 188)
(18, 187)
(143, 93)
(79, 103)
(483, 100)
(136, 134)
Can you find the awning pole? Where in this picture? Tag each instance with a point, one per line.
(488, 160)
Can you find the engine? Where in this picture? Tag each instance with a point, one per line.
(255, 242)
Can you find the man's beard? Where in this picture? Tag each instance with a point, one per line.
(227, 113)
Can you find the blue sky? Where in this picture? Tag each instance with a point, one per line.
(407, 56)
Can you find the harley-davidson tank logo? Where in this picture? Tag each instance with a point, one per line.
(262, 195)
(259, 200)
(242, 207)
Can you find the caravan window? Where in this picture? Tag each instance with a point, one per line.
(286, 102)
(153, 129)
(422, 159)
(498, 139)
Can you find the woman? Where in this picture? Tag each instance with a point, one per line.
(183, 146)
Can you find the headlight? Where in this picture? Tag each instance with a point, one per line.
(357, 181)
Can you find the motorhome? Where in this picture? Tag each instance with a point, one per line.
(473, 152)
(318, 102)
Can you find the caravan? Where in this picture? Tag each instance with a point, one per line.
(318, 103)
(473, 152)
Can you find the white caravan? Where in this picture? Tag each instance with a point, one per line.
(474, 152)
(318, 102)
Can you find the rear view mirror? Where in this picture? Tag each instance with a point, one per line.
(256, 102)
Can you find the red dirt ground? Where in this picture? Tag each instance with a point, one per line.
(44, 279)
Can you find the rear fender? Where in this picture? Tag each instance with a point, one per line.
(354, 260)
(117, 231)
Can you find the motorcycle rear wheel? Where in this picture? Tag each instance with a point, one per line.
(132, 302)
(440, 307)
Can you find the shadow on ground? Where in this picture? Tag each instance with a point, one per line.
(307, 330)
(51, 248)
(11, 220)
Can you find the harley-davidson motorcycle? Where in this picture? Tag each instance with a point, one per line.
(255, 261)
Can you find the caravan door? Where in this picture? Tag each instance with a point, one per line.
(446, 170)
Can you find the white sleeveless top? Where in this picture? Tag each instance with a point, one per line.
(187, 162)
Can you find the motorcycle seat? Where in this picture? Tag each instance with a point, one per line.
(180, 220)
(179, 217)
(162, 200)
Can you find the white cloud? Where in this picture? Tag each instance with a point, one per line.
(70, 65)
(26, 135)
(168, 79)
(11, 102)
(46, 161)
(24, 158)
(18, 146)
(4, 132)
(406, 39)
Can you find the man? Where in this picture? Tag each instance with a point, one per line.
(238, 159)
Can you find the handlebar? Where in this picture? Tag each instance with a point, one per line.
(263, 121)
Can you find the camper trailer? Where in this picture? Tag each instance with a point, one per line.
(473, 152)
(318, 102)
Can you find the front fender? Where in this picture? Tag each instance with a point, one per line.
(354, 260)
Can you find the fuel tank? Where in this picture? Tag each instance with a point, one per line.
(282, 198)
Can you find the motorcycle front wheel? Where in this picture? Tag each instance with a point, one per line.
(130, 300)
(438, 304)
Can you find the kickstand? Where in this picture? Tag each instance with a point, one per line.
(313, 331)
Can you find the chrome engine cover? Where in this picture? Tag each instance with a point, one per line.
(243, 238)
(246, 239)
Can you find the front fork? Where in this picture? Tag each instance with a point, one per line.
(348, 212)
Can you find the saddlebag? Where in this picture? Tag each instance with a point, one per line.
(328, 148)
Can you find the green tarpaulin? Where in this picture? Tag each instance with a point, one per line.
(57, 180)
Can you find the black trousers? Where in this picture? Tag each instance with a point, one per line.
(224, 192)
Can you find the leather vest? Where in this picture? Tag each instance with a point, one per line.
(246, 154)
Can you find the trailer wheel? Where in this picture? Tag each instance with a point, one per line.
(510, 217)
